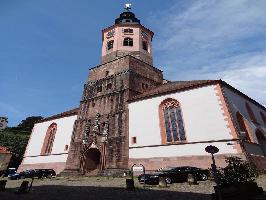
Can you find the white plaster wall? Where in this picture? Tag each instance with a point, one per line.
(203, 121)
(45, 159)
(62, 138)
(237, 103)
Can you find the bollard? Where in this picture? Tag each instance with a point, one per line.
(162, 182)
(191, 179)
(24, 187)
(3, 185)
(130, 184)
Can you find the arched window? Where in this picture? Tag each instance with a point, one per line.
(263, 117)
(145, 45)
(49, 139)
(110, 44)
(171, 121)
(242, 125)
(128, 42)
(250, 113)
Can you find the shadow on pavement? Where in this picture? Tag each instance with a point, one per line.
(54, 192)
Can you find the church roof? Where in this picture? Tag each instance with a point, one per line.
(173, 87)
(127, 17)
(60, 115)
(177, 86)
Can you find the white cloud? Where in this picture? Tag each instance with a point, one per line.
(211, 22)
(248, 74)
(213, 39)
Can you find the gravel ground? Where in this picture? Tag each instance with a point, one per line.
(108, 188)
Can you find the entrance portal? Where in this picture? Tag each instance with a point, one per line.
(92, 158)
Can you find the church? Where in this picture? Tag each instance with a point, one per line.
(129, 114)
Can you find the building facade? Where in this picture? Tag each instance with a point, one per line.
(3, 123)
(129, 114)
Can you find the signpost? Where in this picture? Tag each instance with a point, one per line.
(138, 169)
(134, 168)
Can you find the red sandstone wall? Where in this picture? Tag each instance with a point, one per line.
(196, 161)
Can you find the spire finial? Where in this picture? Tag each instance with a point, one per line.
(127, 6)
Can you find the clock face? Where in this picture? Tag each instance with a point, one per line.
(110, 34)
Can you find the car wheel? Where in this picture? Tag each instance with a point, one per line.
(49, 176)
(204, 177)
(168, 180)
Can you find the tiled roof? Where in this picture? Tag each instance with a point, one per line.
(173, 87)
(60, 115)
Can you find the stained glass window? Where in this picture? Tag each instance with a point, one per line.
(167, 126)
(173, 126)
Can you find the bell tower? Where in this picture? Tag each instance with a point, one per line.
(127, 37)
(100, 143)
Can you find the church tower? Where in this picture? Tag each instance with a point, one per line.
(100, 142)
(127, 37)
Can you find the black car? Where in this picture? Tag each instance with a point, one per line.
(24, 174)
(9, 171)
(46, 173)
(33, 173)
(174, 175)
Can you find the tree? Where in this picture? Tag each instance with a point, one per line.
(28, 123)
(16, 143)
(237, 171)
(16, 139)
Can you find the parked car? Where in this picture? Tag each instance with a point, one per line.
(9, 171)
(33, 173)
(46, 173)
(21, 175)
(174, 175)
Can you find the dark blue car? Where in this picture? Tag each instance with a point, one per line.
(33, 173)
(25, 174)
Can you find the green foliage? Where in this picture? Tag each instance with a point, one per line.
(16, 139)
(16, 143)
(237, 171)
(27, 124)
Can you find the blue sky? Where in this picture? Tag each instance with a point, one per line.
(47, 47)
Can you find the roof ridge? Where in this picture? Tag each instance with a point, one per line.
(60, 115)
(172, 86)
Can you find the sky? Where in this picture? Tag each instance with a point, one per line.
(48, 46)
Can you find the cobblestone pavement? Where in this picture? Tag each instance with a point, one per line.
(109, 188)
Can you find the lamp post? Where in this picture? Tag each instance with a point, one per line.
(213, 150)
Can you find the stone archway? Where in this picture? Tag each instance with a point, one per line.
(92, 160)
(261, 140)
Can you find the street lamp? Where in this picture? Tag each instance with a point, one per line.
(213, 150)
